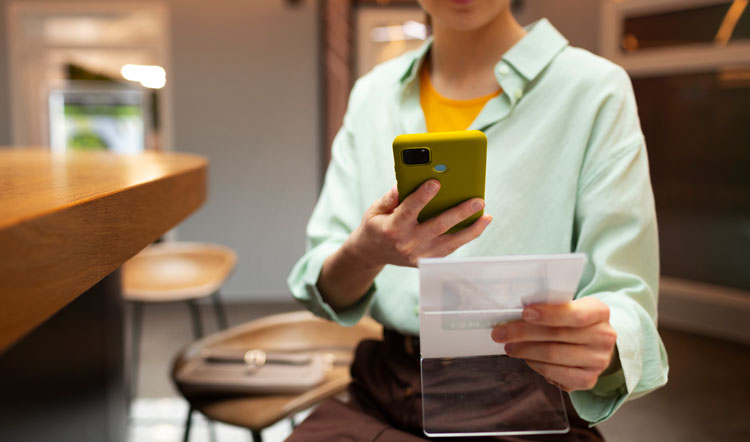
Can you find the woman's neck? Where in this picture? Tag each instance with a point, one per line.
(462, 62)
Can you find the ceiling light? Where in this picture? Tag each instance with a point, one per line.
(153, 77)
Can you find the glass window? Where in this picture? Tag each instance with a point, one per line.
(698, 140)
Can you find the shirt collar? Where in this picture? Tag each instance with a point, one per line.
(536, 49)
(415, 61)
(528, 57)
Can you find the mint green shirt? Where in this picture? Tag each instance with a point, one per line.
(567, 171)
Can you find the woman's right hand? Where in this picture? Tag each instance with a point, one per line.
(390, 233)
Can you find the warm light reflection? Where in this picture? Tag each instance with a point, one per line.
(142, 169)
(153, 77)
(735, 77)
(411, 30)
(630, 43)
(730, 22)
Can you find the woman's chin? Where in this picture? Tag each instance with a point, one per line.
(464, 22)
(465, 15)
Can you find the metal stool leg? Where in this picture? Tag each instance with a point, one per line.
(257, 437)
(136, 347)
(195, 315)
(221, 316)
(188, 423)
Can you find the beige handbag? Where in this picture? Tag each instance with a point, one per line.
(255, 371)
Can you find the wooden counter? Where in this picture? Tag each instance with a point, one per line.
(68, 220)
(67, 223)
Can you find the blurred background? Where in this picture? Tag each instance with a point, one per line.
(260, 87)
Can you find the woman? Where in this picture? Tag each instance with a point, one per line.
(566, 172)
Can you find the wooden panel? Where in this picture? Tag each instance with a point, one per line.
(67, 221)
(337, 28)
(339, 53)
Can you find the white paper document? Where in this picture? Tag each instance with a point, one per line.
(462, 299)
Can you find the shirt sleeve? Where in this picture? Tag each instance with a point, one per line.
(615, 225)
(337, 213)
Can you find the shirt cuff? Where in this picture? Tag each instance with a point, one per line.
(303, 283)
(612, 380)
(610, 384)
(612, 390)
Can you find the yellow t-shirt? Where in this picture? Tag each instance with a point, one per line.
(444, 114)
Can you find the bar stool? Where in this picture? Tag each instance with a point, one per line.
(295, 331)
(175, 272)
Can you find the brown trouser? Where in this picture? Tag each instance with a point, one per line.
(385, 402)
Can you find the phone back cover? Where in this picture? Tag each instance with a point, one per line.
(464, 153)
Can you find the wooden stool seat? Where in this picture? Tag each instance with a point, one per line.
(294, 331)
(177, 271)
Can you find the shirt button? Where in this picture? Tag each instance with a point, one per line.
(518, 93)
(503, 70)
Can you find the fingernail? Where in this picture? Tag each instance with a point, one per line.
(432, 187)
(531, 314)
(508, 348)
(477, 206)
(498, 334)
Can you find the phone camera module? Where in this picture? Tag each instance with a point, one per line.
(413, 157)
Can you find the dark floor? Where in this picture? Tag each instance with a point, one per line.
(706, 398)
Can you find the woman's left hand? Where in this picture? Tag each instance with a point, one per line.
(569, 344)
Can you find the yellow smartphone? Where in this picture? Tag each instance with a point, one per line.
(457, 159)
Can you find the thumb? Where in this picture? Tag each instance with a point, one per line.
(386, 203)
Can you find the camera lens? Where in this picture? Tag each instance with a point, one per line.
(416, 156)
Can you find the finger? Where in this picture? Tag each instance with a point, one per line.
(578, 313)
(386, 203)
(567, 378)
(522, 331)
(571, 355)
(446, 244)
(410, 207)
(443, 222)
